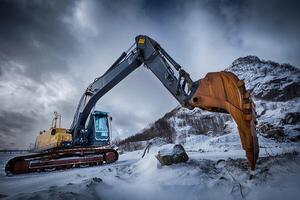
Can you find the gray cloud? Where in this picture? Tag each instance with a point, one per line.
(14, 128)
(34, 34)
(51, 50)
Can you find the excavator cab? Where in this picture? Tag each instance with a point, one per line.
(99, 128)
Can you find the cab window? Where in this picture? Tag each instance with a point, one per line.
(101, 127)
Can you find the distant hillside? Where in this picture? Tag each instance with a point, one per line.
(160, 128)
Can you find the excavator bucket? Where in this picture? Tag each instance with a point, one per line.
(224, 92)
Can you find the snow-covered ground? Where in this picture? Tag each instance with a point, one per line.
(216, 169)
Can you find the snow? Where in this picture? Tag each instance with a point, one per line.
(209, 174)
(217, 168)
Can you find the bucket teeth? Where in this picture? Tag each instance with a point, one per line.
(240, 83)
(246, 95)
(247, 106)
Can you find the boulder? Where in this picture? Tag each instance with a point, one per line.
(172, 154)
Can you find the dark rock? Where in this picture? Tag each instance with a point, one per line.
(270, 94)
(278, 80)
(263, 127)
(290, 91)
(270, 131)
(246, 60)
(165, 160)
(172, 155)
(291, 118)
(275, 133)
(295, 138)
(98, 180)
(277, 93)
(297, 129)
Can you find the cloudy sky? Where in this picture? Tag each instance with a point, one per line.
(51, 50)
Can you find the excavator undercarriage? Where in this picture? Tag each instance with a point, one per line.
(57, 159)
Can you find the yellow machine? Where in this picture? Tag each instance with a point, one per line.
(55, 137)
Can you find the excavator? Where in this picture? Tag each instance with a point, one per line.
(220, 92)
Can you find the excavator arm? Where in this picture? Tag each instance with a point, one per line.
(216, 92)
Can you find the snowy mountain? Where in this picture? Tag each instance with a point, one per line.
(268, 80)
(276, 92)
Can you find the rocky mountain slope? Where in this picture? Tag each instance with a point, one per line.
(276, 93)
(268, 80)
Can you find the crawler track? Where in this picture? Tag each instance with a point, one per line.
(61, 159)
